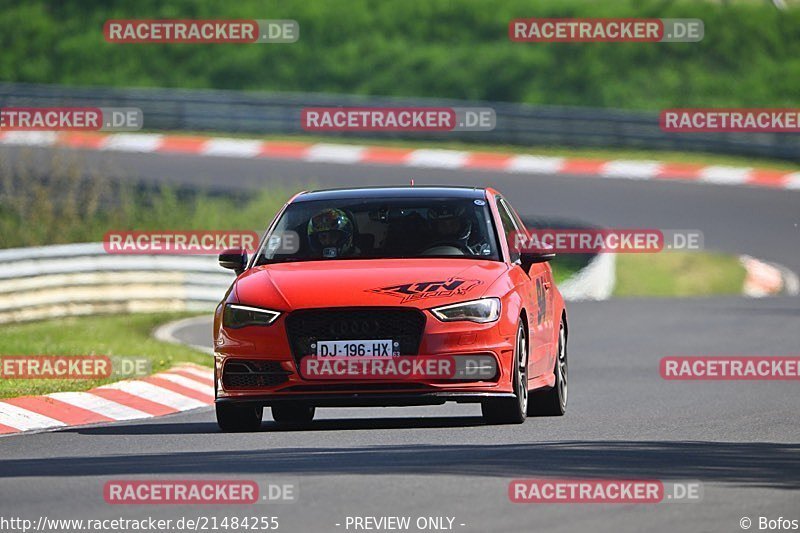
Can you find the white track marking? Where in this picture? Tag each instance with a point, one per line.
(203, 379)
(535, 164)
(232, 147)
(725, 175)
(631, 169)
(201, 373)
(793, 181)
(157, 394)
(189, 383)
(24, 420)
(101, 406)
(437, 158)
(132, 142)
(335, 153)
(30, 138)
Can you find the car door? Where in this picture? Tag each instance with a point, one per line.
(534, 292)
(541, 323)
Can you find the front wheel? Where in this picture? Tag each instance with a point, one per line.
(233, 418)
(512, 410)
(553, 402)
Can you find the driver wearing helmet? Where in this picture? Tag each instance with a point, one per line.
(449, 225)
(452, 226)
(330, 234)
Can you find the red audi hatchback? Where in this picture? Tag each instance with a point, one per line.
(390, 297)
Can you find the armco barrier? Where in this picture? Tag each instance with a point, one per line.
(518, 124)
(82, 279)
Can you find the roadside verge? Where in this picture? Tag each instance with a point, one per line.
(181, 388)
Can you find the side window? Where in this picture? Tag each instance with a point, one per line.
(520, 224)
(509, 228)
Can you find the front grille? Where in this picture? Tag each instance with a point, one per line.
(253, 374)
(403, 326)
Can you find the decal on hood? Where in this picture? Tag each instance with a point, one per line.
(420, 290)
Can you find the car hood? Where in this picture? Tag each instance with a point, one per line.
(421, 283)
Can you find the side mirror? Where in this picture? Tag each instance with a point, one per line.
(530, 258)
(233, 259)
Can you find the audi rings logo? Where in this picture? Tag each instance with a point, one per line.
(354, 327)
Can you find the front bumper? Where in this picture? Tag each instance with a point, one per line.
(403, 399)
(271, 349)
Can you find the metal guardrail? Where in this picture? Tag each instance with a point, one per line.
(82, 279)
(518, 124)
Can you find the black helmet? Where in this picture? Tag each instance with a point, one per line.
(450, 222)
(330, 232)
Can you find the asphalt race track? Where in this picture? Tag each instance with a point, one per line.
(740, 439)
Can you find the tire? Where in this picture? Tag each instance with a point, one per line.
(553, 401)
(293, 413)
(233, 418)
(512, 410)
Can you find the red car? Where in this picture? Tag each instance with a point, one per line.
(390, 296)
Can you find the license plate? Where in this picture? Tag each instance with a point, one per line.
(367, 348)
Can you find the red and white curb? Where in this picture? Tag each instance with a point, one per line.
(419, 158)
(767, 279)
(181, 388)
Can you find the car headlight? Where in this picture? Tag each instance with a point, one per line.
(481, 311)
(239, 316)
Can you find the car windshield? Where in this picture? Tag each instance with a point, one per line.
(381, 228)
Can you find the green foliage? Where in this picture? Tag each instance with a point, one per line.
(59, 201)
(114, 336)
(750, 55)
(678, 274)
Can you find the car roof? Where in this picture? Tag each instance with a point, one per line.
(425, 191)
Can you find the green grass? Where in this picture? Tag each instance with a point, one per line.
(116, 335)
(566, 265)
(678, 274)
(65, 200)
